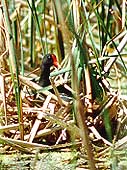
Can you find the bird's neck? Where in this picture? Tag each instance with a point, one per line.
(44, 77)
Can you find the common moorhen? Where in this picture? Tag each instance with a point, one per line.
(48, 61)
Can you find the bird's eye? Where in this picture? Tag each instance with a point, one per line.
(49, 57)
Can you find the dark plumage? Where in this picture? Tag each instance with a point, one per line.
(48, 61)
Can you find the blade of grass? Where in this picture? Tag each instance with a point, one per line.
(88, 28)
(107, 124)
(32, 33)
(34, 13)
(58, 35)
(21, 46)
(45, 34)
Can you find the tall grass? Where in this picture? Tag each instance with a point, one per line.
(13, 61)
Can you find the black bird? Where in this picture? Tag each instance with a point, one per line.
(48, 61)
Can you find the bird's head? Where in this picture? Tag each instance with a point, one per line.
(50, 60)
